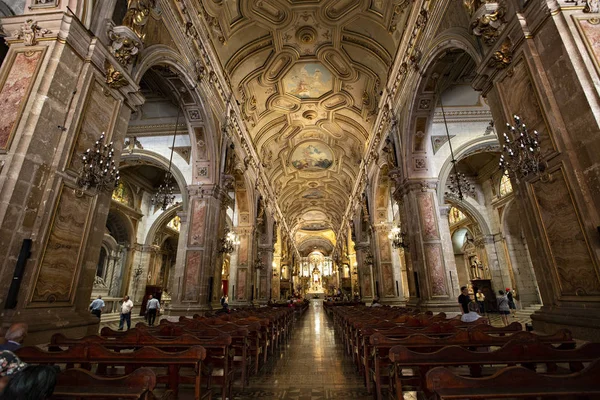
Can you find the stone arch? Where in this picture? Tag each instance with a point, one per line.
(474, 213)
(479, 144)
(163, 219)
(162, 55)
(120, 226)
(448, 41)
(141, 156)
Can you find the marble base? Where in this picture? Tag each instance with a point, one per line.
(450, 307)
(584, 324)
(179, 310)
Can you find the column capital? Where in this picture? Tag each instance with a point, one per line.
(414, 185)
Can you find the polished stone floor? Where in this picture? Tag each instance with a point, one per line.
(312, 366)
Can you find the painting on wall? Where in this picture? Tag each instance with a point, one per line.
(313, 194)
(308, 81)
(312, 156)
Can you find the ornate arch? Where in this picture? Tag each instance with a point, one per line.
(163, 219)
(139, 155)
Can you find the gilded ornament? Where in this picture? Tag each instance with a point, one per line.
(591, 6)
(489, 25)
(30, 31)
(123, 47)
(503, 57)
(114, 78)
(137, 15)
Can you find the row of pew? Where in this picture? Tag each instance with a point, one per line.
(209, 353)
(397, 350)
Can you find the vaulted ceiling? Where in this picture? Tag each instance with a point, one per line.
(308, 75)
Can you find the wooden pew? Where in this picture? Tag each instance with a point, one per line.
(88, 355)
(81, 384)
(515, 382)
(381, 345)
(528, 354)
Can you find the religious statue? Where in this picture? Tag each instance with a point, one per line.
(475, 263)
(137, 15)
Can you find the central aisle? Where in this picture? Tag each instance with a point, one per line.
(312, 366)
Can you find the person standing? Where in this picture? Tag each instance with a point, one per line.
(97, 306)
(125, 316)
(511, 302)
(464, 300)
(503, 307)
(480, 297)
(153, 309)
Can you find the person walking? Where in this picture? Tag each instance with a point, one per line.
(125, 316)
(480, 297)
(503, 308)
(153, 309)
(96, 306)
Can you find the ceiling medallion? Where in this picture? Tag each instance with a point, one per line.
(310, 115)
(306, 35)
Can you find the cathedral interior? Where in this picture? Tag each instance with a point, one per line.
(387, 151)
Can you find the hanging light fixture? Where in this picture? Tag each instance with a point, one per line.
(522, 156)
(229, 241)
(458, 185)
(98, 167)
(398, 237)
(258, 263)
(165, 196)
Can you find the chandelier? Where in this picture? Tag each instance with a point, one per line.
(459, 184)
(99, 170)
(398, 237)
(522, 156)
(228, 242)
(165, 196)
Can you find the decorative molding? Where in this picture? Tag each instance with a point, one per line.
(114, 78)
(30, 31)
(488, 22)
(124, 44)
(502, 58)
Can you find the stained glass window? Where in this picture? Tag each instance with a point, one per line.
(455, 216)
(505, 186)
(122, 194)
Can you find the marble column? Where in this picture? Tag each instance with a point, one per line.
(58, 102)
(197, 239)
(240, 276)
(431, 257)
(365, 272)
(388, 271)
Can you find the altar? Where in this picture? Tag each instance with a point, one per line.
(314, 295)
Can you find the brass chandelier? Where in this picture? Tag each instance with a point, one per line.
(165, 196)
(522, 154)
(98, 167)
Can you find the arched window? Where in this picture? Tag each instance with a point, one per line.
(505, 185)
(455, 216)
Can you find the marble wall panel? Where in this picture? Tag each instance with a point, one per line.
(419, 137)
(427, 214)
(367, 287)
(201, 148)
(242, 201)
(385, 248)
(61, 258)
(240, 290)
(243, 251)
(15, 91)
(590, 32)
(196, 233)
(520, 97)
(97, 117)
(263, 288)
(191, 282)
(434, 261)
(387, 271)
(573, 262)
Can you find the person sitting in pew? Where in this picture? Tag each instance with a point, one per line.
(472, 315)
(14, 336)
(35, 382)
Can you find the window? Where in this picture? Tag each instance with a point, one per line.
(455, 216)
(505, 185)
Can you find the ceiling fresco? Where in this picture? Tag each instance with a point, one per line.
(308, 76)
